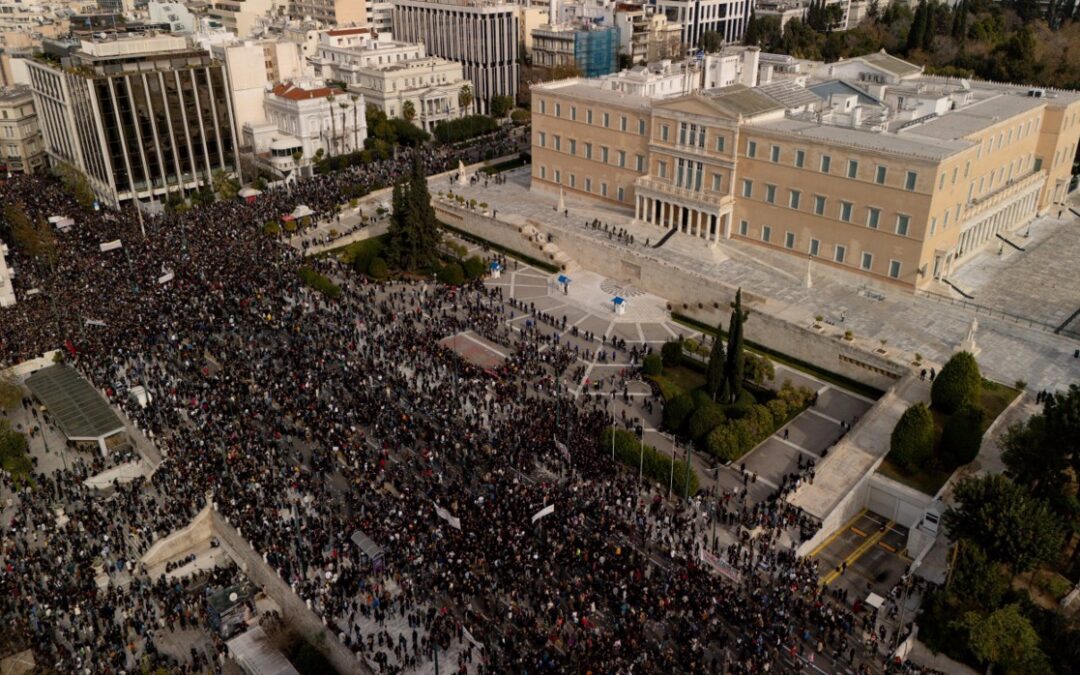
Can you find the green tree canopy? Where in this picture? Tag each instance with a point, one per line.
(959, 383)
(912, 441)
(1006, 638)
(413, 236)
(733, 365)
(714, 373)
(1008, 523)
(962, 436)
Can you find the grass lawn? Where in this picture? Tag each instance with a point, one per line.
(348, 252)
(678, 379)
(929, 479)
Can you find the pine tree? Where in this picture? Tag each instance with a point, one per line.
(733, 366)
(714, 374)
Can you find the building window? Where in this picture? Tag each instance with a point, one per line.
(902, 224)
(873, 217)
(641, 127)
(800, 158)
(543, 106)
(826, 163)
(720, 143)
(933, 226)
(661, 168)
(744, 227)
(604, 154)
(789, 240)
(622, 159)
(941, 181)
(606, 120)
(894, 269)
(543, 173)
(909, 180)
(573, 147)
(588, 184)
(558, 176)
(717, 180)
(573, 180)
(588, 116)
(774, 153)
(751, 149)
(639, 163)
(839, 254)
(588, 151)
(558, 110)
(867, 261)
(815, 246)
(603, 189)
(766, 233)
(879, 175)
(620, 194)
(543, 140)
(747, 188)
(622, 123)
(852, 169)
(558, 142)
(770, 194)
(664, 132)
(819, 205)
(845, 211)
(793, 199)
(573, 113)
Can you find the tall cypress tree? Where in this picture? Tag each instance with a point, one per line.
(929, 20)
(413, 236)
(733, 366)
(714, 374)
(917, 29)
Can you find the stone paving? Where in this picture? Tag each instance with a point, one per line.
(911, 324)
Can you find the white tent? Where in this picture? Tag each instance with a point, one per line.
(302, 211)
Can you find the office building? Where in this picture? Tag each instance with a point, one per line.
(873, 167)
(482, 35)
(251, 66)
(726, 17)
(141, 116)
(240, 16)
(591, 49)
(21, 147)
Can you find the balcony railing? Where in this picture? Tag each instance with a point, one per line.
(702, 196)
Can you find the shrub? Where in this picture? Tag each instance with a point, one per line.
(672, 353)
(290, 226)
(271, 228)
(652, 364)
(319, 283)
(723, 443)
(757, 369)
(691, 345)
(677, 410)
(779, 410)
(656, 465)
(520, 117)
(501, 105)
(731, 441)
(912, 441)
(463, 128)
(958, 383)
(13, 451)
(378, 269)
(796, 398)
(704, 420)
(474, 267)
(962, 436)
(452, 274)
(364, 253)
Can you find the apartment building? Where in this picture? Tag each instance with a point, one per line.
(140, 116)
(895, 176)
(250, 66)
(21, 147)
(241, 16)
(482, 35)
(330, 12)
(726, 17)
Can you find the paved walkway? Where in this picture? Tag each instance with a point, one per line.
(910, 324)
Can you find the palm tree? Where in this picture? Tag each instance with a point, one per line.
(408, 111)
(465, 96)
(333, 125)
(355, 124)
(344, 105)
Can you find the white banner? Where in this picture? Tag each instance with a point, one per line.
(546, 511)
(448, 517)
(95, 322)
(720, 566)
(470, 638)
(563, 449)
(111, 245)
(165, 278)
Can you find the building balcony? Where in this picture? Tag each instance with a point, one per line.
(664, 188)
(1003, 194)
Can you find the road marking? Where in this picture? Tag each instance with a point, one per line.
(857, 553)
(823, 415)
(795, 446)
(832, 537)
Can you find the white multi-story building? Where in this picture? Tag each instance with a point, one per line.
(240, 16)
(431, 85)
(380, 17)
(726, 17)
(7, 290)
(21, 147)
(341, 53)
(330, 12)
(481, 35)
(176, 14)
(250, 66)
(305, 117)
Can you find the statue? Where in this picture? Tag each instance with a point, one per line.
(968, 343)
(461, 179)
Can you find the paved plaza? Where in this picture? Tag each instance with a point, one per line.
(910, 323)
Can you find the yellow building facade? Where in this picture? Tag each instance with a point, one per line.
(899, 201)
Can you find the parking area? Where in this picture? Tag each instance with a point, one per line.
(865, 556)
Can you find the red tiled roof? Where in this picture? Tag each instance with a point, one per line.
(348, 31)
(298, 94)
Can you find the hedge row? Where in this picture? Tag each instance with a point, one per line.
(656, 465)
(319, 283)
(463, 128)
(731, 440)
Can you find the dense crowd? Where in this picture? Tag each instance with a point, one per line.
(305, 420)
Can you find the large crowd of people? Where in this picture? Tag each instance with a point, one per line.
(306, 420)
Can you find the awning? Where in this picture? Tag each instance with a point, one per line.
(302, 211)
(249, 192)
(563, 279)
(617, 300)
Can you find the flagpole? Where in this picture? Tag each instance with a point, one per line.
(671, 479)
